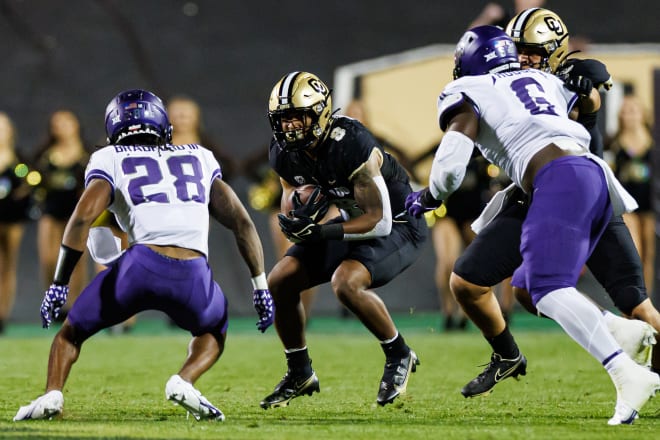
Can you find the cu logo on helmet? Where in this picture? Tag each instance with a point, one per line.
(554, 25)
(318, 86)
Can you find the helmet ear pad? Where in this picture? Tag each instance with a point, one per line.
(135, 113)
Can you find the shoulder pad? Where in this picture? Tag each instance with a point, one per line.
(589, 68)
(447, 103)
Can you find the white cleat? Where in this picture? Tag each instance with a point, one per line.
(635, 385)
(44, 407)
(183, 393)
(635, 337)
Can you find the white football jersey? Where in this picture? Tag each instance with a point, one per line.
(520, 112)
(160, 195)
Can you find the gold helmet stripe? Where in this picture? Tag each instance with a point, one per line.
(521, 22)
(286, 88)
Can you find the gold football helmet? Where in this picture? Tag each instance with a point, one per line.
(302, 95)
(543, 30)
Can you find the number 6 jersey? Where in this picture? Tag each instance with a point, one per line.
(148, 181)
(520, 112)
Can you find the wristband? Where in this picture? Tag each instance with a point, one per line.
(334, 231)
(259, 282)
(66, 262)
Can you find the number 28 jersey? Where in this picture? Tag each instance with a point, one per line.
(160, 194)
(520, 112)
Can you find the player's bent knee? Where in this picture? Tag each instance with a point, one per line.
(464, 290)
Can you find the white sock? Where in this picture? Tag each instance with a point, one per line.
(582, 321)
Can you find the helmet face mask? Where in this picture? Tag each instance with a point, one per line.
(542, 31)
(137, 113)
(484, 49)
(301, 101)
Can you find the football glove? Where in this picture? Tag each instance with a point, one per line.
(263, 304)
(54, 299)
(299, 229)
(579, 84)
(313, 209)
(419, 202)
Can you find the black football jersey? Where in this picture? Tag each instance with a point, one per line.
(347, 146)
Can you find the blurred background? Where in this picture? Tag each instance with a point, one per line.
(226, 56)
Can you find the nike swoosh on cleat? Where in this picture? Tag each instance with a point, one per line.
(499, 377)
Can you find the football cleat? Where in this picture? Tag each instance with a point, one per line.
(290, 387)
(635, 385)
(635, 337)
(395, 377)
(496, 371)
(183, 393)
(45, 407)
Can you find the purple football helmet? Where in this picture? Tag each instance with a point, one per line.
(136, 112)
(484, 49)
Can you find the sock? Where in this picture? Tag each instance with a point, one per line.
(504, 344)
(298, 361)
(581, 320)
(395, 347)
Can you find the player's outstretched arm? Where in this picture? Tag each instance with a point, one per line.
(229, 211)
(94, 200)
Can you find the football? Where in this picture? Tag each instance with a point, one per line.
(304, 192)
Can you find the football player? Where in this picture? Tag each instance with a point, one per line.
(162, 195)
(542, 40)
(519, 121)
(372, 242)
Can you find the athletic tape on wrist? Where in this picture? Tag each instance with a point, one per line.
(259, 282)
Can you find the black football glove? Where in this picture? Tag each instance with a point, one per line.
(299, 229)
(579, 84)
(313, 209)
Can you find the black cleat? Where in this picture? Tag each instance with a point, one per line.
(496, 371)
(395, 377)
(290, 387)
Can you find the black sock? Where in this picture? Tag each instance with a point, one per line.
(504, 345)
(396, 349)
(299, 362)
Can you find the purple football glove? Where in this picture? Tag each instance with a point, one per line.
(419, 202)
(263, 304)
(54, 299)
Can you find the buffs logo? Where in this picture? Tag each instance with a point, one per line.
(555, 25)
(318, 86)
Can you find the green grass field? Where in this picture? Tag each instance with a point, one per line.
(116, 389)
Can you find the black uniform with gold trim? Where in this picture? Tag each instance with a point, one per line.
(345, 149)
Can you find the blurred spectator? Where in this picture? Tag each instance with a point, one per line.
(494, 13)
(188, 128)
(14, 206)
(61, 160)
(630, 151)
